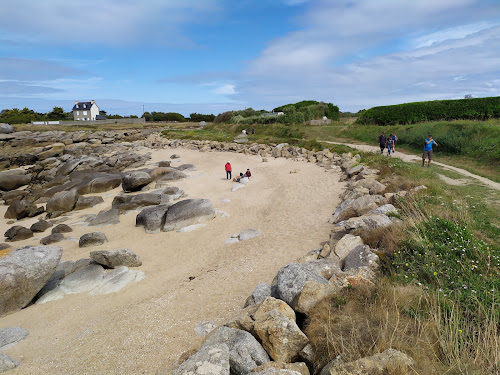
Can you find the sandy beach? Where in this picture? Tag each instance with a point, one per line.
(190, 277)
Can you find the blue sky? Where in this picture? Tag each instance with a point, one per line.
(209, 56)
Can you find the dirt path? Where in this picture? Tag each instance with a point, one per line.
(190, 277)
(411, 158)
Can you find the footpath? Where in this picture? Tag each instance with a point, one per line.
(412, 158)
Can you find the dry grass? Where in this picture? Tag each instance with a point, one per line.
(361, 322)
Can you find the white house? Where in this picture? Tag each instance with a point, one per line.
(85, 111)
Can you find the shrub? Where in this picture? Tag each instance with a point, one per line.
(411, 113)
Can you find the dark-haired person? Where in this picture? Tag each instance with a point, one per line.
(428, 150)
(382, 140)
(248, 173)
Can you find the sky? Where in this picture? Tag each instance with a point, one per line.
(211, 56)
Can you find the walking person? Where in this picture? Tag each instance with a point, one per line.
(228, 170)
(390, 144)
(429, 141)
(382, 140)
(395, 138)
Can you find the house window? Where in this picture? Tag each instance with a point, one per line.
(84, 112)
(78, 113)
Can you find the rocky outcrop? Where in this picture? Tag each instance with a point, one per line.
(23, 272)
(20, 209)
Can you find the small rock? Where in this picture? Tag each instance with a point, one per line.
(10, 336)
(17, 233)
(52, 238)
(204, 328)
(116, 258)
(7, 363)
(175, 156)
(62, 228)
(246, 234)
(40, 226)
(92, 239)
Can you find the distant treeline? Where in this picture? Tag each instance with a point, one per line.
(411, 113)
(26, 115)
(173, 116)
(296, 113)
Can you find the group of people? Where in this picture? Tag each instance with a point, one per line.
(390, 143)
(229, 171)
(245, 132)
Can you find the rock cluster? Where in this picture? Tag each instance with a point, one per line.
(266, 336)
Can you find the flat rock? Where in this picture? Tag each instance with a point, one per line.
(116, 258)
(10, 336)
(116, 279)
(7, 363)
(10, 180)
(23, 272)
(191, 228)
(106, 217)
(87, 202)
(237, 186)
(246, 234)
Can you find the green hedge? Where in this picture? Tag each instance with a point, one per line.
(411, 113)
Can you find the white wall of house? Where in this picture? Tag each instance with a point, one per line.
(87, 113)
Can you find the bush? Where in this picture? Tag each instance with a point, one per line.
(411, 113)
(223, 117)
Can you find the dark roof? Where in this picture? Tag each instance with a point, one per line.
(79, 105)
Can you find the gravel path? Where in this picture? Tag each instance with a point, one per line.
(411, 158)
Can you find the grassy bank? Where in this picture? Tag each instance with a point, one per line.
(98, 127)
(439, 296)
(472, 145)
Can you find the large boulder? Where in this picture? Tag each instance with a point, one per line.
(17, 233)
(87, 202)
(356, 207)
(134, 181)
(209, 360)
(52, 238)
(363, 222)
(188, 212)
(361, 256)
(55, 149)
(280, 336)
(10, 180)
(23, 272)
(291, 279)
(64, 201)
(40, 226)
(116, 258)
(152, 218)
(245, 352)
(378, 364)
(6, 128)
(345, 245)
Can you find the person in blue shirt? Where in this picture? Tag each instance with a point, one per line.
(428, 150)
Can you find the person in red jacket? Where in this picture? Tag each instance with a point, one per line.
(248, 173)
(228, 170)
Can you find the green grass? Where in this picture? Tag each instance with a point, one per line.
(472, 145)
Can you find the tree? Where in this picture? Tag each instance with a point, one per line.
(56, 114)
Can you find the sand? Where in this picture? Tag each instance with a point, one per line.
(190, 277)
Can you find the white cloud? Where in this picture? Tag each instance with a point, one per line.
(226, 89)
(102, 21)
(362, 53)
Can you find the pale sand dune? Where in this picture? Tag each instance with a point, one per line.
(145, 327)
